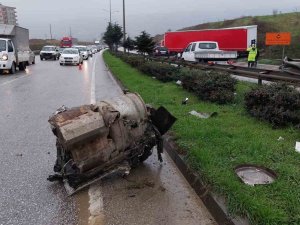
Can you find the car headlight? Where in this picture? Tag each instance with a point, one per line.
(4, 57)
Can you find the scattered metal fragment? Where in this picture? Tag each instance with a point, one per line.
(297, 147)
(185, 101)
(280, 139)
(179, 83)
(255, 175)
(61, 109)
(203, 115)
(112, 136)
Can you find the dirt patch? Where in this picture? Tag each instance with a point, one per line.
(140, 184)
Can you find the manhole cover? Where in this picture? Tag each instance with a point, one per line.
(254, 175)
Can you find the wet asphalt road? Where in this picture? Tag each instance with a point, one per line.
(155, 193)
(27, 146)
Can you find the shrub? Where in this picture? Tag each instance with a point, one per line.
(163, 72)
(133, 60)
(277, 103)
(209, 85)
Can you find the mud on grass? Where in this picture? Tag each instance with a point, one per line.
(217, 145)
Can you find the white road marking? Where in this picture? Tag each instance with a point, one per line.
(96, 205)
(11, 81)
(95, 196)
(93, 82)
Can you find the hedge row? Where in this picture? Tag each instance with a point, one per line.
(210, 86)
(207, 85)
(278, 103)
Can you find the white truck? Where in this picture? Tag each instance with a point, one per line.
(14, 48)
(203, 51)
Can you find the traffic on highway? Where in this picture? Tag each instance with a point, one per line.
(103, 123)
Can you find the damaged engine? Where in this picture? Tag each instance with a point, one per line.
(111, 136)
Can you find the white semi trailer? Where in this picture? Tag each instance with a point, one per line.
(14, 48)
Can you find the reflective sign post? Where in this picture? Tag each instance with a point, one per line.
(283, 38)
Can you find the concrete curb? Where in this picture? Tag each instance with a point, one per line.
(215, 204)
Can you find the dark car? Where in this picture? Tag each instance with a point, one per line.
(160, 51)
(49, 52)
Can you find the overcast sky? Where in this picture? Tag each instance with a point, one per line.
(89, 18)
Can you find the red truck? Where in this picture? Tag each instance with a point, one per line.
(68, 42)
(229, 39)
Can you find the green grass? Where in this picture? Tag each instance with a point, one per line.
(217, 145)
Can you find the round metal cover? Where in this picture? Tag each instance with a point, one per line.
(254, 175)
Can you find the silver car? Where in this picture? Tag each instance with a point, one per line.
(83, 51)
(70, 56)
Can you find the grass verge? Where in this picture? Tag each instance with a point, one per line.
(217, 145)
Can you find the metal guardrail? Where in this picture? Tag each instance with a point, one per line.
(256, 73)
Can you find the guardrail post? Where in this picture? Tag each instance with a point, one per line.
(259, 81)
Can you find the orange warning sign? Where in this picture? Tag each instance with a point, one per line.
(278, 38)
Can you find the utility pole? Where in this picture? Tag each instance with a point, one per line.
(124, 26)
(51, 32)
(70, 31)
(110, 11)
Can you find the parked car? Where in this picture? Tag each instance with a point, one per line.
(49, 52)
(31, 57)
(160, 51)
(83, 51)
(70, 56)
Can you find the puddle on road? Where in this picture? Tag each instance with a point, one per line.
(82, 202)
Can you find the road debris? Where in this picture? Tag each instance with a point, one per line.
(185, 101)
(280, 139)
(202, 115)
(141, 184)
(297, 147)
(112, 136)
(19, 155)
(179, 83)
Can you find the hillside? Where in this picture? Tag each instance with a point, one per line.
(288, 22)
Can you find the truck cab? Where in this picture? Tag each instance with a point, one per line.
(14, 48)
(9, 59)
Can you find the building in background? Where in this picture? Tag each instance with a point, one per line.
(8, 15)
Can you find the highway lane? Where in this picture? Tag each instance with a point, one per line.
(154, 193)
(27, 146)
